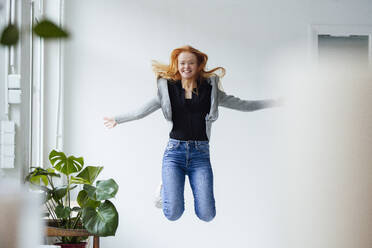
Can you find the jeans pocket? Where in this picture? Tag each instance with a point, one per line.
(172, 145)
(204, 148)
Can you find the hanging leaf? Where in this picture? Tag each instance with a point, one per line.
(65, 165)
(90, 173)
(48, 30)
(102, 221)
(10, 35)
(104, 190)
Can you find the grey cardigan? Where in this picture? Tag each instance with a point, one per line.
(218, 98)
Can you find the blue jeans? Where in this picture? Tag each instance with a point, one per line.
(190, 158)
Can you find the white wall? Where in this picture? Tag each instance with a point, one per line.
(108, 71)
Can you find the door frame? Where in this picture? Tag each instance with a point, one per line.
(338, 30)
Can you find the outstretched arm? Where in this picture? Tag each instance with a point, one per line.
(230, 101)
(144, 110)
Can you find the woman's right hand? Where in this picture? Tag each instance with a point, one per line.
(109, 122)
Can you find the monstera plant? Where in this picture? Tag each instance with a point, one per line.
(93, 211)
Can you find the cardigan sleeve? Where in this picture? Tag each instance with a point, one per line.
(146, 109)
(233, 102)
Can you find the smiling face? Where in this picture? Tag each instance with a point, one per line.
(187, 65)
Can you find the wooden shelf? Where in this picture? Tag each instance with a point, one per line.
(55, 231)
(60, 232)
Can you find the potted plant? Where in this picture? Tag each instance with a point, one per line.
(93, 212)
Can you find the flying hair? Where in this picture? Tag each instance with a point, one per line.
(171, 71)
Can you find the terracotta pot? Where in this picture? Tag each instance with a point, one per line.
(79, 245)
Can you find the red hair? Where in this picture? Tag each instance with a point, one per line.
(171, 71)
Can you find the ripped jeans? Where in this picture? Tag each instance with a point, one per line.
(190, 158)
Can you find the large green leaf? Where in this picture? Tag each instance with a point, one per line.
(65, 165)
(47, 29)
(79, 180)
(39, 180)
(60, 192)
(84, 201)
(90, 173)
(10, 35)
(102, 221)
(104, 190)
(39, 176)
(62, 212)
(37, 171)
(52, 172)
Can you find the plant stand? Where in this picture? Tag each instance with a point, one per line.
(60, 232)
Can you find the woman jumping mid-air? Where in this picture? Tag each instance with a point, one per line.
(189, 97)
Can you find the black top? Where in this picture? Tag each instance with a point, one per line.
(188, 115)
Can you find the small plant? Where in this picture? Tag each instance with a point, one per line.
(94, 212)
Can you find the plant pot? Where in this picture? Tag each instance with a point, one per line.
(61, 232)
(79, 245)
